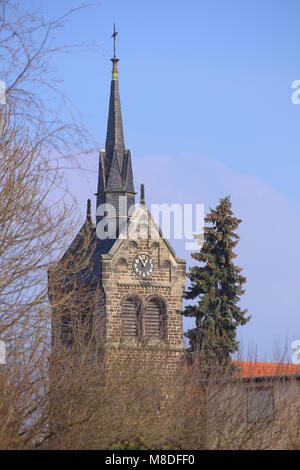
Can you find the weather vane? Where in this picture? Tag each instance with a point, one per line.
(114, 35)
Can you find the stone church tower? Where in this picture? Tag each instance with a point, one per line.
(130, 284)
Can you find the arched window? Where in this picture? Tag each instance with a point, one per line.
(133, 245)
(122, 265)
(168, 267)
(131, 318)
(155, 319)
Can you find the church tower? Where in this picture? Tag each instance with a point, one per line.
(132, 283)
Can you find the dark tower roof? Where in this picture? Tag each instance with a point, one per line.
(115, 134)
(115, 168)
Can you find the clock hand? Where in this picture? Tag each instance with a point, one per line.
(141, 259)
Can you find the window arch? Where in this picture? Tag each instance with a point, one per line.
(122, 264)
(168, 267)
(131, 317)
(133, 245)
(155, 318)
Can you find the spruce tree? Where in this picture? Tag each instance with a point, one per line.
(216, 285)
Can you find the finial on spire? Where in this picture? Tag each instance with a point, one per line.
(89, 211)
(114, 35)
(114, 59)
(142, 196)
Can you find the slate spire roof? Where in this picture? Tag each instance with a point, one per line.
(115, 134)
(115, 176)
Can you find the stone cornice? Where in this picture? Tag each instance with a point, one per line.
(148, 285)
(161, 346)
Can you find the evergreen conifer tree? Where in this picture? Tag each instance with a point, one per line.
(216, 285)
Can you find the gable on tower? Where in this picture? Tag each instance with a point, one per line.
(142, 226)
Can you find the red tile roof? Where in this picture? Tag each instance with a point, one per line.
(265, 369)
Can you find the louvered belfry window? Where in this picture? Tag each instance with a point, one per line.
(131, 318)
(154, 319)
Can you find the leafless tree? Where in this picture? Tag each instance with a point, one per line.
(37, 220)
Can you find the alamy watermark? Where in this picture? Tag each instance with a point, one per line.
(2, 353)
(177, 221)
(295, 97)
(296, 351)
(2, 92)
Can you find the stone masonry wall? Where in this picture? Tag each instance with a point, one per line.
(167, 282)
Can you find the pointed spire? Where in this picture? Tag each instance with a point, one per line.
(115, 176)
(89, 211)
(115, 134)
(142, 196)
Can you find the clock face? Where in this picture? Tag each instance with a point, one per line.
(143, 265)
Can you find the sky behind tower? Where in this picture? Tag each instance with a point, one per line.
(206, 101)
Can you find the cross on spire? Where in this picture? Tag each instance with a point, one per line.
(114, 59)
(114, 35)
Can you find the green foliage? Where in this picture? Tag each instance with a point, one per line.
(216, 285)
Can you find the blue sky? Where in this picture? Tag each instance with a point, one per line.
(206, 100)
